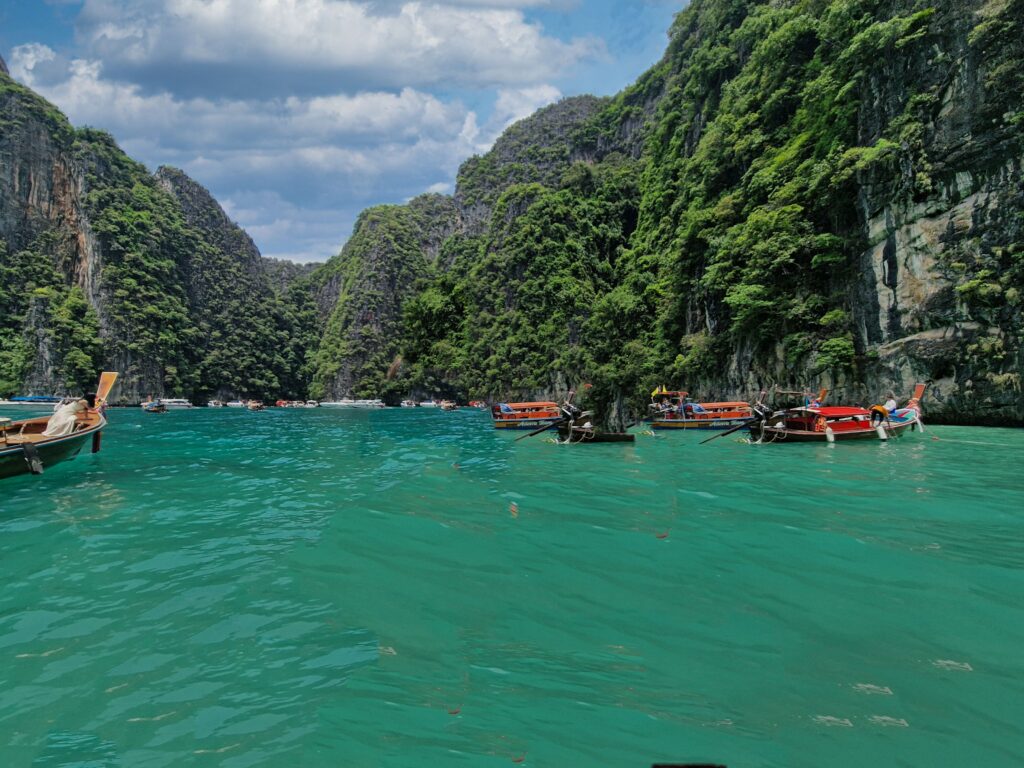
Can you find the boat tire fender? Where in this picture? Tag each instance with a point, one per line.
(35, 464)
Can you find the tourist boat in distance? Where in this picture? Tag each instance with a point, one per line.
(33, 401)
(176, 402)
(525, 415)
(25, 449)
(428, 404)
(478, 404)
(154, 406)
(675, 410)
(255, 405)
(236, 404)
(216, 404)
(312, 404)
(409, 404)
(449, 405)
(349, 403)
(817, 423)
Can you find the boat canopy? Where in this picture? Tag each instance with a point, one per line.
(662, 392)
(833, 412)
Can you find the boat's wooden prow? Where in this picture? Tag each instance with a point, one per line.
(915, 398)
(107, 381)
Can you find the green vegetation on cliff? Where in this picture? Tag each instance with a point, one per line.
(117, 269)
(808, 190)
(731, 252)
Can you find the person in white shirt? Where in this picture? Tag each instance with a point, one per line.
(65, 418)
(890, 404)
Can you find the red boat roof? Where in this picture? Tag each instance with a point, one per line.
(836, 412)
(517, 406)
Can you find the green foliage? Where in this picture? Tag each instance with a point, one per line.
(20, 105)
(518, 305)
(708, 218)
(836, 354)
(40, 312)
(378, 269)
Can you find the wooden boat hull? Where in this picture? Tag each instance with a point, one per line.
(529, 416)
(50, 451)
(768, 434)
(525, 424)
(583, 435)
(704, 424)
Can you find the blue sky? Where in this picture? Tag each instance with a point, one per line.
(297, 114)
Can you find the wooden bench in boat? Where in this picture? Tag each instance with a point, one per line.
(31, 430)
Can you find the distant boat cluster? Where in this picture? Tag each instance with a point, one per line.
(30, 445)
(163, 404)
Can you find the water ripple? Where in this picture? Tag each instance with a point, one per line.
(328, 588)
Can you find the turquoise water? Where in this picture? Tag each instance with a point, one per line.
(321, 588)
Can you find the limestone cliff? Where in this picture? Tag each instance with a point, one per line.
(103, 265)
(391, 251)
(793, 197)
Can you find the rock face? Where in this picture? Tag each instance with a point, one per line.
(392, 249)
(104, 266)
(537, 149)
(285, 274)
(804, 200)
(396, 251)
(795, 196)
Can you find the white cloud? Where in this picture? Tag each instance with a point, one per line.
(305, 166)
(514, 104)
(253, 46)
(297, 114)
(339, 120)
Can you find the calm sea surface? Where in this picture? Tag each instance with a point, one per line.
(403, 588)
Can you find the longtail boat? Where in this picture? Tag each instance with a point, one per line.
(675, 410)
(581, 430)
(525, 415)
(818, 424)
(25, 449)
(576, 427)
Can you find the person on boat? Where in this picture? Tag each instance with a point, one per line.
(811, 401)
(891, 404)
(64, 420)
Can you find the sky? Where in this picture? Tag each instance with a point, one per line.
(298, 114)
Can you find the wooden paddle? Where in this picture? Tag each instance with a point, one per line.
(727, 432)
(545, 428)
